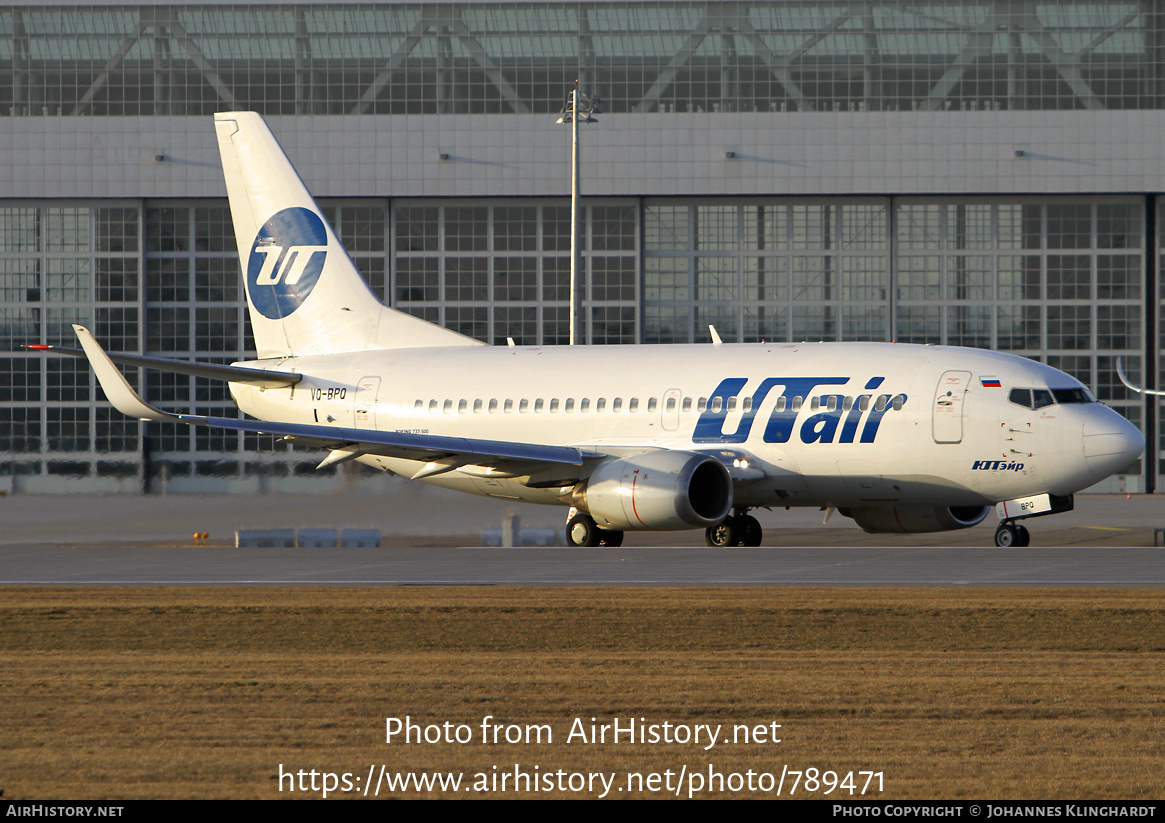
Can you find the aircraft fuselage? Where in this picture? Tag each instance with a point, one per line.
(809, 424)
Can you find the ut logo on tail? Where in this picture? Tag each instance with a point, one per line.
(294, 263)
(286, 260)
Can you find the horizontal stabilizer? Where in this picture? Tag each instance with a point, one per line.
(346, 443)
(211, 371)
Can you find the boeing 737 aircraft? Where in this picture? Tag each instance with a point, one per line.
(900, 438)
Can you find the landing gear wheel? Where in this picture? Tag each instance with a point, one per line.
(1009, 535)
(724, 535)
(611, 538)
(582, 531)
(750, 530)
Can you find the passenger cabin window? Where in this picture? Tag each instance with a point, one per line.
(899, 402)
(702, 405)
(717, 404)
(432, 407)
(584, 405)
(493, 405)
(617, 404)
(671, 403)
(633, 404)
(477, 406)
(554, 404)
(687, 404)
(653, 404)
(448, 407)
(419, 405)
(462, 405)
(601, 404)
(731, 404)
(538, 406)
(509, 405)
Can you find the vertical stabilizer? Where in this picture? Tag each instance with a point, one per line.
(304, 293)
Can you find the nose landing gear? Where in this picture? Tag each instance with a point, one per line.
(1010, 534)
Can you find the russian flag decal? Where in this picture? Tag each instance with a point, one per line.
(990, 382)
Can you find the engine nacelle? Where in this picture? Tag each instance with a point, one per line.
(903, 519)
(664, 490)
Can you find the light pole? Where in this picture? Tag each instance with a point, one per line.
(577, 107)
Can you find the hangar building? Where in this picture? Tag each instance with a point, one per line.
(969, 173)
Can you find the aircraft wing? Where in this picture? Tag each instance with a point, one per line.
(445, 453)
(439, 453)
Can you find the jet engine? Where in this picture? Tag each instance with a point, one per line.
(663, 490)
(902, 519)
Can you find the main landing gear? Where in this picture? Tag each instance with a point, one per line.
(581, 530)
(742, 529)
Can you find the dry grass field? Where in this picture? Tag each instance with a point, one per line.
(173, 693)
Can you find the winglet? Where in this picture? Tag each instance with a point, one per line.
(1120, 372)
(115, 386)
(716, 341)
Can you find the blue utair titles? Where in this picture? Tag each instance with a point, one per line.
(822, 427)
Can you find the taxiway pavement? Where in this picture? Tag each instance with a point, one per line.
(432, 537)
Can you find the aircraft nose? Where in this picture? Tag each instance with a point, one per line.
(1110, 442)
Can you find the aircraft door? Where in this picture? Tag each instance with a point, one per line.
(949, 399)
(671, 410)
(366, 392)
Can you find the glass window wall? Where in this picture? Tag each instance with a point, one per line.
(414, 57)
(1059, 280)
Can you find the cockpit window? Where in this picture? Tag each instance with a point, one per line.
(1039, 398)
(1021, 397)
(1080, 395)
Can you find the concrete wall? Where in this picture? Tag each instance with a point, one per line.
(921, 153)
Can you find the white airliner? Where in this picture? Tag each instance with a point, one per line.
(900, 438)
